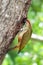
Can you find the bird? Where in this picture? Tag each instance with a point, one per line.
(24, 35)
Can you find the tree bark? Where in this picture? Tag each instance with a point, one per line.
(12, 13)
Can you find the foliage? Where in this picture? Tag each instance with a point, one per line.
(32, 54)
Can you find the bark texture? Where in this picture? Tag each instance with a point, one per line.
(12, 13)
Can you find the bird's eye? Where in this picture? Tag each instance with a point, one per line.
(24, 20)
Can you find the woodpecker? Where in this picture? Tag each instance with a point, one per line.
(24, 35)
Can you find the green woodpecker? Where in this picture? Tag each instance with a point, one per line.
(24, 35)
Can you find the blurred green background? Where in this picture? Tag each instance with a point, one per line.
(32, 54)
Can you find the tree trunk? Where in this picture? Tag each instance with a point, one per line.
(12, 13)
